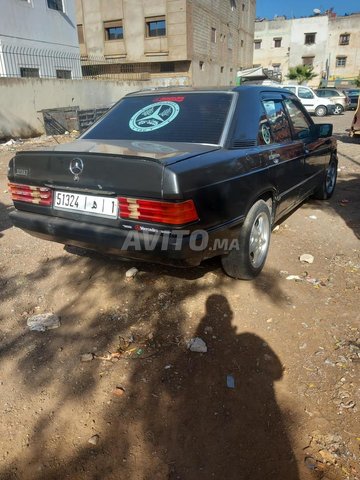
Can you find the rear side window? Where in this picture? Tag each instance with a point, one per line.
(305, 93)
(300, 123)
(195, 117)
(278, 122)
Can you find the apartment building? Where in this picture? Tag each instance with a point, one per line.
(330, 44)
(38, 38)
(204, 41)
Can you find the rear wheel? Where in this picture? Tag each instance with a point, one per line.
(320, 111)
(327, 187)
(247, 260)
(338, 109)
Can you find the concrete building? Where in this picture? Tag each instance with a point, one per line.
(205, 41)
(329, 43)
(38, 38)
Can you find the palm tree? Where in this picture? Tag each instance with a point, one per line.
(301, 73)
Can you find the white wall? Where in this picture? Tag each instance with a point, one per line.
(298, 49)
(32, 21)
(29, 30)
(22, 99)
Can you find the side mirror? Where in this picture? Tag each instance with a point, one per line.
(321, 130)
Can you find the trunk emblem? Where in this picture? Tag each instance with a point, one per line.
(76, 168)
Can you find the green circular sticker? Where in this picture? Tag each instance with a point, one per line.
(154, 116)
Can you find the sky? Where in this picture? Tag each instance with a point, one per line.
(302, 8)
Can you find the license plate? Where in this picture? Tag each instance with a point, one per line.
(89, 204)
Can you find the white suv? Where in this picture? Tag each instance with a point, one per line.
(313, 104)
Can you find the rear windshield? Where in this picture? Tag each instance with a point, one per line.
(191, 117)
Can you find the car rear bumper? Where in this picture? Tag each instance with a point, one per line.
(177, 250)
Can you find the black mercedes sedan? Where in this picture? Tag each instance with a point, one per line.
(178, 176)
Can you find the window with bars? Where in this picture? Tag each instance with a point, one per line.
(341, 61)
(310, 38)
(344, 39)
(56, 5)
(26, 72)
(155, 27)
(114, 30)
(64, 74)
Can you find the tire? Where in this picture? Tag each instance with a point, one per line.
(247, 260)
(327, 186)
(320, 111)
(339, 109)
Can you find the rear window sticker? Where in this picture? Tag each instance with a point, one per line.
(154, 116)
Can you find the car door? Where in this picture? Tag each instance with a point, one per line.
(282, 156)
(316, 150)
(307, 98)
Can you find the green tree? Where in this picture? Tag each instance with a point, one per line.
(357, 81)
(301, 73)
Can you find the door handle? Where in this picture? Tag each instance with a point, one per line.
(274, 157)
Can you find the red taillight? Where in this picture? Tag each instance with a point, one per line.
(29, 194)
(170, 213)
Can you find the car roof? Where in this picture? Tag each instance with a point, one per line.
(227, 89)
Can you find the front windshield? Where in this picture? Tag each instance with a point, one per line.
(188, 117)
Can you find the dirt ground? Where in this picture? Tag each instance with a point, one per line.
(157, 410)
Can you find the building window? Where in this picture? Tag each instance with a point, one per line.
(309, 61)
(167, 67)
(213, 35)
(221, 69)
(56, 5)
(310, 38)
(341, 61)
(155, 27)
(276, 67)
(277, 42)
(241, 43)
(243, 7)
(29, 72)
(230, 41)
(233, 4)
(202, 65)
(257, 44)
(113, 30)
(80, 32)
(65, 74)
(344, 39)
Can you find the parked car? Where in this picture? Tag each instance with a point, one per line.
(353, 95)
(318, 105)
(178, 176)
(341, 100)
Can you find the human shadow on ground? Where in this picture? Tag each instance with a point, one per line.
(177, 418)
(201, 428)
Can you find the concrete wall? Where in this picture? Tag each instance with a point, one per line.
(298, 49)
(188, 35)
(337, 26)
(22, 99)
(135, 47)
(268, 55)
(216, 62)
